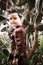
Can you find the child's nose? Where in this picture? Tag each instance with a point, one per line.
(12, 19)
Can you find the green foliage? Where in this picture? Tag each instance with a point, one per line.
(3, 58)
(41, 42)
(37, 58)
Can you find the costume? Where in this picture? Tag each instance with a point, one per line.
(18, 44)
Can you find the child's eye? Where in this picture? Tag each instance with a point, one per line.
(10, 18)
(15, 18)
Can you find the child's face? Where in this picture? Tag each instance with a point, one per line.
(15, 20)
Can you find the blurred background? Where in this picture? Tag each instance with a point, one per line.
(31, 14)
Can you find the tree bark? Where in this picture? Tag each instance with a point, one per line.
(34, 46)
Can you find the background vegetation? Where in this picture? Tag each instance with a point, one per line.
(32, 14)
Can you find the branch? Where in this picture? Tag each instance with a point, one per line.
(34, 46)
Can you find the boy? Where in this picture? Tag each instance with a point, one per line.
(18, 40)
